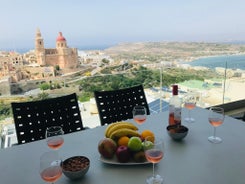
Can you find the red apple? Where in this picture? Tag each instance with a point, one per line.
(107, 147)
(123, 154)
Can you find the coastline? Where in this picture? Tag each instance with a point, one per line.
(219, 55)
(233, 61)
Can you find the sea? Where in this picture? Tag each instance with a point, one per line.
(82, 48)
(232, 62)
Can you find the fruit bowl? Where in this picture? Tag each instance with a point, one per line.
(75, 167)
(177, 132)
(123, 144)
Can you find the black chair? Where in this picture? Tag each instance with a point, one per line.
(117, 105)
(32, 118)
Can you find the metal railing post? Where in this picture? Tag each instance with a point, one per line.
(160, 99)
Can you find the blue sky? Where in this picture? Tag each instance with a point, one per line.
(109, 22)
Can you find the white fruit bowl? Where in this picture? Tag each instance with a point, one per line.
(75, 167)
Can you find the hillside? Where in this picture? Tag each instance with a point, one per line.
(172, 51)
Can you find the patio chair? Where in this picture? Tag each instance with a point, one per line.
(32, 118)
(118, 105)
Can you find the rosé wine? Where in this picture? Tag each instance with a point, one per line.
(55, 142)
(215, 122)
(153, 155)
(51, 174)
(140, 119)
(190, 105)
(171, 119)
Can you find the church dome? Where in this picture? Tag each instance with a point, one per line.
(60, 37)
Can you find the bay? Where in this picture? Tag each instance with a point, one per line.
(233, 62)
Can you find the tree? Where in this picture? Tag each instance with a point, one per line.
(57, 67)
(42, 96)
(105, 61)
(44, 86)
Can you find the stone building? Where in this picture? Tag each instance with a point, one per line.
(62, 56)
(10, 65)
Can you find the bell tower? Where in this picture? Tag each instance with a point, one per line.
(39, 48)
(39, 45)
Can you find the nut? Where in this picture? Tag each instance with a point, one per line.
(76, 164)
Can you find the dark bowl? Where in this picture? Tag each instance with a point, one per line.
(75, 167)
(177, 132)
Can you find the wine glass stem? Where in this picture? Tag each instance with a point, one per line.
(153, 170)
(214, 131)
(189, 114)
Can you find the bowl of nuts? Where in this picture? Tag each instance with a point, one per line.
(75, 167)
(177, 132)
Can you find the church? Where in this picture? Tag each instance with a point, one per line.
(62, 56)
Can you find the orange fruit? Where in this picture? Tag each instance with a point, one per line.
(123, 141)
(147, 133)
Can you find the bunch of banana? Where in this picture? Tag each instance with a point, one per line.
(119, 129)
(124, 132)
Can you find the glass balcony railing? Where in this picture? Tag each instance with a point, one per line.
(214, 87)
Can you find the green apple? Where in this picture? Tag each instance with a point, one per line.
(147, 145)
(135, 144)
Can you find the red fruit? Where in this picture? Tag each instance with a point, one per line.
(107, 147)
(123, 154)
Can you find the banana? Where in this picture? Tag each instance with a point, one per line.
(118, 125)
(124, 132)
(109, 128)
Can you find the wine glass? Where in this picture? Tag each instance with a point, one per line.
(139, 114)
(54, 136)
(153, 149)
(215, 118)
(50, 170)
(190, 103)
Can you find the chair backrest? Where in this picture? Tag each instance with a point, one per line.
(117, 105)
(32, 118)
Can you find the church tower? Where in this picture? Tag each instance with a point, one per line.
(39, 48)
(61, 41)
(63, 56)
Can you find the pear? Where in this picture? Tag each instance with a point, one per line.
(139, 156)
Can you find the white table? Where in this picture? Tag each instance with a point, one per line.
(194, 160)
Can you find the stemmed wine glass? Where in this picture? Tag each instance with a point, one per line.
(50, 170)
(216, 117)
(139, 114)
(190, 103)
(54, 137)
(153, 149)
